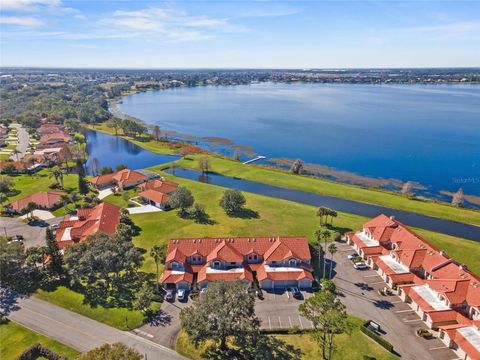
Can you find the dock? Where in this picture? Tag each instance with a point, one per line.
(255, 159)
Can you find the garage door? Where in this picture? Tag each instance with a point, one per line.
(281, 284)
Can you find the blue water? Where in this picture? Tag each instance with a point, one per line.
(112, 151)
(423, 133)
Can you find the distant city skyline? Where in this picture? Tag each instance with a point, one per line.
(235, 34)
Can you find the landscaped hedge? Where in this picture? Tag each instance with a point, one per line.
(377, 338)
(36, 350)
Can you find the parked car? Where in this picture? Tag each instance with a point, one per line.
(169, 295)
(295, 292)
(54, 226)
(181, 294)
(352, 256)
(360, 265)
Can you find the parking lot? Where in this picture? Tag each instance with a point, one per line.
(358, 290)
(279, 310)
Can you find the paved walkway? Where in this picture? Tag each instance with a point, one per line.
(41, 214)
(80, 332)
(102, 194)
(143, 209)
(23, 142)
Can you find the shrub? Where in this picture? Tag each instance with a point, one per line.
(377, 338)
(36, 351)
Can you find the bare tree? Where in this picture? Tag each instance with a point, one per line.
(407, 188)
(204, 164)
(458, 198)
(297, 167)
(156, 132)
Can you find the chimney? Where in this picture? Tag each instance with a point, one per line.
(443, 253)
(392, 217)
(463, 267)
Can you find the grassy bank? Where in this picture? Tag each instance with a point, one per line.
(353, 346)
(385, 198)
(145, 142)
(14, 339)
(273, 217)
(285, 179)
(120, 318)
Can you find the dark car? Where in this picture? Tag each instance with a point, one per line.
(296, 293)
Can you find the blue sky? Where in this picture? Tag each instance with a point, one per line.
(239, 34)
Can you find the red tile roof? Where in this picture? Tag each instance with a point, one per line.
(156, 196)
(463, 343)
(163, 186)
(43, 199)
(56, 137)
(234, 250)
(102, 218)
(121, 178)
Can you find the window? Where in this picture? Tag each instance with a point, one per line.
(293, 262)
(216, 264)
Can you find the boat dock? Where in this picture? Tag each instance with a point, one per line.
(255, 159)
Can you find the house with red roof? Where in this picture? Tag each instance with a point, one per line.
(157, 192)
(122, 179)
(43, 200)
(444, 294)
(57, 139)
(77, 228)
(276, 262)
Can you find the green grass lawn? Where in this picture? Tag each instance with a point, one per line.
(311, 184)
(351, 346)
(29, 184)
(275, 217)
(119, 200)
(14, 339)
(121, 318)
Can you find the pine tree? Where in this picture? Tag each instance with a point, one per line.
(53, 251)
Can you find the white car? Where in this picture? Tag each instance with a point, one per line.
(181, 294)
(360, 265)
(54, 226)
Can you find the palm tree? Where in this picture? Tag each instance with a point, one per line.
(325, 234)
(333, 214)
(65, 200)
(321, 212)
(318, 239)
(158, 255)
(332, 249)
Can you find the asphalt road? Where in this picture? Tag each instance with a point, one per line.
(33, 235)
(23, 141)
(80, 332)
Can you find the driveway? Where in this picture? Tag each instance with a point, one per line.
(143, 209)
(164, 329)
(80, 332)
(23, 141)
(33, 235)
(358, 290)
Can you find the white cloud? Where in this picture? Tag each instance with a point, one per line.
(168, 24)
(21, 21)
(26, 5)
(454, 28)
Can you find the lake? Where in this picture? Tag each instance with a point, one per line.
(424, 133)
(112, 151)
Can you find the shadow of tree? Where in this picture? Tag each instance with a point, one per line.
(364, 286)
(8, 301)
(245, 213)
(265, 347)
(158, 318)
(383, 304)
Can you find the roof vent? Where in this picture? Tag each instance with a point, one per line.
(392, 217)
(194, 241)
(443, 253)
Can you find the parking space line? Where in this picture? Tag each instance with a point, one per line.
(269, 323)
(438, 348)
(378, 282)
(402, 311)
(280, 322)
(397, 302)
(368, 276)
(288, 296)
(290, 320)
(412, 320)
